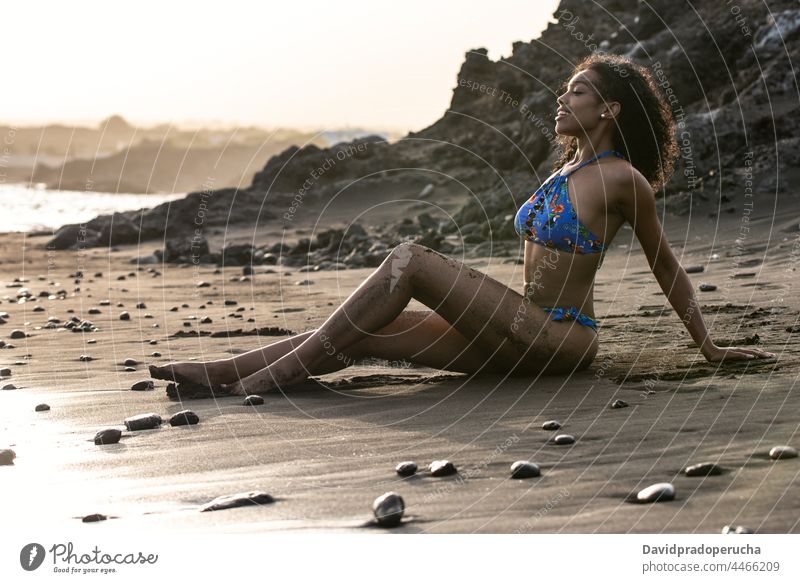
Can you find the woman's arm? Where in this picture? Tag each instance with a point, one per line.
(637, 204)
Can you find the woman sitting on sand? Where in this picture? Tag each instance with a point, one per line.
(617, 140)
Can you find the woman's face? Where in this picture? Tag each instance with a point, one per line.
(580, 106)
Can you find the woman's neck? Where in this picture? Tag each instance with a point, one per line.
(588, 149)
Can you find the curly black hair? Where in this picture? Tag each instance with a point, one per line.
(645, 128)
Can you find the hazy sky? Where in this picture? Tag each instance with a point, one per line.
(308, 64)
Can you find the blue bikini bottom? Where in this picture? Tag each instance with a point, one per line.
(572, 313)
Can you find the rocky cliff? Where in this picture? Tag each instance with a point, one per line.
(728, 65)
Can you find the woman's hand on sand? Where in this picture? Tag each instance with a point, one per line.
(731, 353)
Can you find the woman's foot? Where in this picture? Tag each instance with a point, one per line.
(264, 381)
(198, 373)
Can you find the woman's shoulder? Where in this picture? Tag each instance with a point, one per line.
(622, 180)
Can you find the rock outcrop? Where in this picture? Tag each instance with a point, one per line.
(728, 66)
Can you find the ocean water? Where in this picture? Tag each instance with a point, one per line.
(24, 209)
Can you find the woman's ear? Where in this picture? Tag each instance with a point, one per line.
(611, 110)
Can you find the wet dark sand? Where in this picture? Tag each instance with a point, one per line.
(326, 449)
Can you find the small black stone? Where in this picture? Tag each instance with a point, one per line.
(42, 407)
(388, 509)
(17, 334)
(5, 372)
(694, 269)
(143, 421)
(619, 404)
(94, 518)
(782, 452)
(441, 468)
(254, 400)
(185, 417)
(124, 316)
(662, 492)
(564, 439)
(156, 354)
(551, 425)
(231, 302)
(146, 385)
(85, 358)
(523, 469)
(94, 311)
(107, 436)
(728, 529)
(130, 362)
(141, 306)
(703, 469)
(707, 287)
(202, 284)
(206, 320)
(406, 469)
(236, 500)
(7, 457)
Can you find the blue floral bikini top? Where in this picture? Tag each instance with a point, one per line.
(548, 217)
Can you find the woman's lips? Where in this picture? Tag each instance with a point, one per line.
(561, 114)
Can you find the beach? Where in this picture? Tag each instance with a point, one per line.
(326, 449)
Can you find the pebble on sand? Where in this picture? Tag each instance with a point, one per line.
(728, 529)
(441, 468)
(94, 517)
(564, 439)
(619, 404)
(7, 457)
(17, 334)
(107, 436)
(406, 469)
(202, 284)
(146, 385)
(156, 354)
(5, 372)
(185, 417)
(707, 287)
(130, 362)
(206, 320)
(42, 407)
(143, 421)
(236, 500)
(663, 491)
(85, 358)
(703, 469)
(389, 509)
(523, 469)
(9, 387)
(254, 400)
(551, 425)
(782, 452)
(694, 269)
(124, 316)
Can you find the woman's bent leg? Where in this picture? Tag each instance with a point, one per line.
(480, 308)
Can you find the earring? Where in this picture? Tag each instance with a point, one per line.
(602, 115)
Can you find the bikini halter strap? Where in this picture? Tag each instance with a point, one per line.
(602, 154)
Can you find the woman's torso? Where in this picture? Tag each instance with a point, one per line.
(558, 277)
